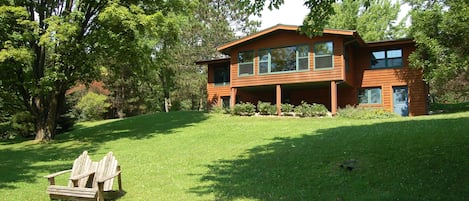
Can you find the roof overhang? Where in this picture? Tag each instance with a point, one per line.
(213, 61)
(402, 41)
(226, 48)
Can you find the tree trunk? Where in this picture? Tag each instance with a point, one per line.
(46, 119)
(167, 104)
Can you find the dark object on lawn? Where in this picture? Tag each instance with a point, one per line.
(349, 164)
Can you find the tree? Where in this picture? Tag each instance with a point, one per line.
(441, 31)
(374, 19)
(212, 23)
(49, 45)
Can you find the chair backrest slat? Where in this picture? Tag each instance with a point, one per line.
(81, 165)
(106, 167)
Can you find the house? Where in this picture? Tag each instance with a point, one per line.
(279, 65)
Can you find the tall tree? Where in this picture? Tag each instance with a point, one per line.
(213, 23)
(441, 31)
(48, 45)
(373, 19)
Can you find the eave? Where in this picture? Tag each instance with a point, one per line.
(226, 48)
(402, 41)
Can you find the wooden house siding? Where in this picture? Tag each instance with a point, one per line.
(386, 79)
(335, 87)
(215, 93)
(284, 39)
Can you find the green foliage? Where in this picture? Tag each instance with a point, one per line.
(219, 110)
(286, 107)
(373, 19)
(441, 29)
(365, 113)
(92, 106)
(266, 108)
(311, 110)
(244, 109)
(23, 124)
(449, 107)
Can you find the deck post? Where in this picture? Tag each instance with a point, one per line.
(333, 97)
(233, 97)
(279, 99)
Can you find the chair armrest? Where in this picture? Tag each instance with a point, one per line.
(57, 174)
(101, 180)
(80, 176)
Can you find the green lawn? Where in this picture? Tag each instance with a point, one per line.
(199, 156)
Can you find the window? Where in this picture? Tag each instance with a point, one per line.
(369, 96)
(284, 59)
(225, 101)
(386, 59)
(246, 63)
(323, 55)
(222, 75)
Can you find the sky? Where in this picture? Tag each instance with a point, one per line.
(292, 12)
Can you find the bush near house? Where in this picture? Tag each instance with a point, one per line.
(365, 113)
(265, 108)
(244, 109)
(311, 110)
(287, 108)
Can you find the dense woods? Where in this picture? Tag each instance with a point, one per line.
(61, 60)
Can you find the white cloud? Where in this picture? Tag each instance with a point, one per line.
(292, 12)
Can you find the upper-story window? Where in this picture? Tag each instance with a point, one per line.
(246, 63)
(222, 75)
(386, 59)
(283, 59)
(323, 55)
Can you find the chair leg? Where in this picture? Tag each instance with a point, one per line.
(100, 191)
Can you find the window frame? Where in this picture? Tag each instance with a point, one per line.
(269, 59)
(368, 91)
(316, 55)
(386, 59)
(221, 69)
(250, 62)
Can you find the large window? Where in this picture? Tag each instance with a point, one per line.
(370, 96)
(386, 59)
(222, 75)
(284, 59)
(323, 55)
(246, 63)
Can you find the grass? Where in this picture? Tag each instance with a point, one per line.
(199, 156)
(449, 107)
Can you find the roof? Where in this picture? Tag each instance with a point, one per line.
(225, 48)
(213, 61)
(401, 41)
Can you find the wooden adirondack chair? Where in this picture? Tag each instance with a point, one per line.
(81, 177)
(106, 170)
(98, 185)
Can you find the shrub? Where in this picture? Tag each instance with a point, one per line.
(311, 110)
(265, 108)
(23, 124)
(218, 109)
(244, 109)
(92, 106)
(286, 107)
(364, 113)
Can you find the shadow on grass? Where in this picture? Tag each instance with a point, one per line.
(406, 160)
(21, 165)
(139, 127)
(21, 162)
